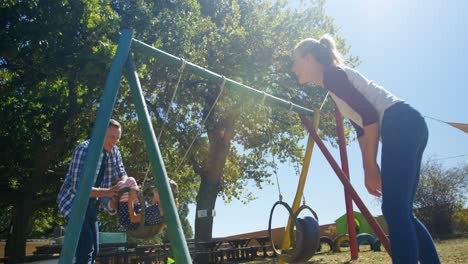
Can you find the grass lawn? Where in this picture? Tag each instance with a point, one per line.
(451, 251)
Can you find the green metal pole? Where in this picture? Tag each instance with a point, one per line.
(176, 235)
(88, 178)
(197, 70)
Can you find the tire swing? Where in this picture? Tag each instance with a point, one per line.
(311, 238)
(304, 234)
(143, 231)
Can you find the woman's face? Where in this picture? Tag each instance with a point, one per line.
(307, 69)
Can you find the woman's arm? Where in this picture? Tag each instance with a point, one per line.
(369, 143)
(337, 82)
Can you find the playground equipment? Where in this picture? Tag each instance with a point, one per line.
(302, 235)
(306, 234)
(325, 240)
(362, 239)
(123, 59)
(366, 239)
(341, 240)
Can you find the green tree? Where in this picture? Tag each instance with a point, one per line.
(440, 196)
(49, 54)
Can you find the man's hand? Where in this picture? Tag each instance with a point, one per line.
(113, 191)
(373, 180)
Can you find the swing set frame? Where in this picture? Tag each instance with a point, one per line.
(123, 62)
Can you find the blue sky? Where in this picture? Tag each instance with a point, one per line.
(416, 49)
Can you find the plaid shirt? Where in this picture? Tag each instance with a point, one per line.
(114, 170)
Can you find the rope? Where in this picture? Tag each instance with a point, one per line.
(203, 123)
(453, 157)
(435, 119)
(263, 99)
(324, 100)
(270, 141)
(296, 166)
(275, 169)
(181, 71)
(148, 169)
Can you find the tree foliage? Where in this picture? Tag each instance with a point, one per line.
(441, 195)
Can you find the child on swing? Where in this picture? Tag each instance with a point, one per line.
(129, 207)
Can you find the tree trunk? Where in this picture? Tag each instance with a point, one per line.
(16, 240)
(211, 176)
(206, 200)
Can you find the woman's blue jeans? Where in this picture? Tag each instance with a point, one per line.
(404, 138)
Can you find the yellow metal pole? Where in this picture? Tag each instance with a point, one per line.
(302, 180)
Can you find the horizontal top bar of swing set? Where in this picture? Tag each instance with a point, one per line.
(200, 71)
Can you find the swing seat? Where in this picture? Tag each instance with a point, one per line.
(143, 231)
(146, 231)
(306, 234)
(310, 239)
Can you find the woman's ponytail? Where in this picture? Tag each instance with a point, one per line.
(329, 43)
(324, 50)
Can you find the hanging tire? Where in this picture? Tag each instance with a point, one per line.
(365, 239)
(295, 234)
(311, 240)
(339, 240)
(325, 240)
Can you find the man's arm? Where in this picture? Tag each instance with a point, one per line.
(97, 192)
(76, 166)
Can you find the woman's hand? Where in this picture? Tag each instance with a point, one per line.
(373, 179)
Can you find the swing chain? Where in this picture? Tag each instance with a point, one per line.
(221, 88)
(296, 166)
(181, 71)
(270, 142)
(263, 99)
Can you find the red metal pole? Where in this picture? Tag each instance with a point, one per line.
(349, 203)
(341, 175)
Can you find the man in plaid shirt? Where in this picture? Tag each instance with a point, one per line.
(110, 169)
